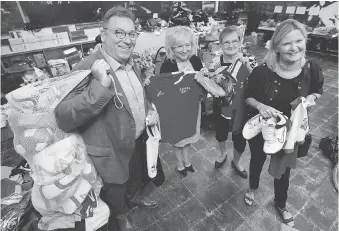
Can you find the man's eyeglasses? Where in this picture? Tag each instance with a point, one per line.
(120, 34)
(228, 43)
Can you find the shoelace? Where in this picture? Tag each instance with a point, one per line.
(268, 131)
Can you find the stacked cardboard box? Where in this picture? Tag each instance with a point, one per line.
(72, 56)
(59, 67)
(78, 35)
(39, 41)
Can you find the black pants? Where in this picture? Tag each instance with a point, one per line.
(257, 161)
(222, 127)
(118, 195)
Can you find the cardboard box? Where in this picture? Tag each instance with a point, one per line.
(40, 60)
(74, 59)
(70, 52)
(60, 29)
(5, 49)
(63, 35)
(59, 67)
(16, 41)
(18, 48)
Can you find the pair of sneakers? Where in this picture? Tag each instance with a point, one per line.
(274, 131)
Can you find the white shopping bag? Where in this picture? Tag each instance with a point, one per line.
(299, 128)
(152, 148)
(304, 127)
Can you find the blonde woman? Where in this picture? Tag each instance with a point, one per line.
(272, 86)
(180, 44)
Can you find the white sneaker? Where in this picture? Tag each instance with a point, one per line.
(274, 132)
(252, 127)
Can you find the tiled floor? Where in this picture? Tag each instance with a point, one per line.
(211, 199)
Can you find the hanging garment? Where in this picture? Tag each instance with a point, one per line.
(177, 99)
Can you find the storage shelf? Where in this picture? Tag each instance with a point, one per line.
(48, 48)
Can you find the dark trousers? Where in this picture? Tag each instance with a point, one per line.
(222, 127)
(118, 195)
(257, 161)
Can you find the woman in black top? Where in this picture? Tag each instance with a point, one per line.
(272, 86)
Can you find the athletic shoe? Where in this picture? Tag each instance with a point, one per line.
(274, 132)
(252, 127)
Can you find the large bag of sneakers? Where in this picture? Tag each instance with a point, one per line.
(66, 184)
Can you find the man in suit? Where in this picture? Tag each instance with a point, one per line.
(110, 111)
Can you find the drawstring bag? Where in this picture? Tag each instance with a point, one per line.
(152, 149)
(299, 127)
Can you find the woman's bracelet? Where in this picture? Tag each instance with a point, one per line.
(315, 95)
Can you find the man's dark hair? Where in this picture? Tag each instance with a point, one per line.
(118, 11)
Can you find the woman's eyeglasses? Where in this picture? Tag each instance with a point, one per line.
(182, 47)
(120, 34)
(228, 43)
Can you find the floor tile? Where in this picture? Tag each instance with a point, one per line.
(141, 218)
(186, 211)
(266, 220)
(296, 199)
(302, 223)
(226, 188)
(238, 203)
(209, 197)
(165, 206)
(178, 194)
(323, 218)
(227, 217)
(300, 184)
(170, 179)
(173, 222)
(153, 227)
(195, 181)
(208, 224)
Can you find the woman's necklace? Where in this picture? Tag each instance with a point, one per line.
(287, 72)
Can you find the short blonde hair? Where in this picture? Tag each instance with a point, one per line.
(272, 57)
(229, 30)
(176, 34)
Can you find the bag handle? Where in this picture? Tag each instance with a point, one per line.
(156, 55)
